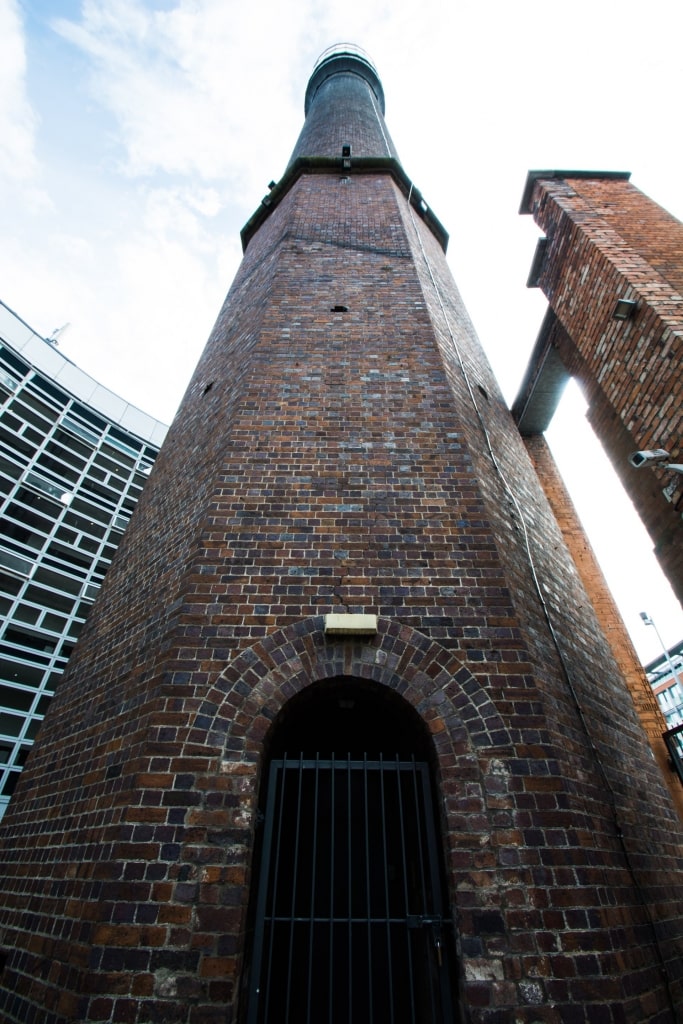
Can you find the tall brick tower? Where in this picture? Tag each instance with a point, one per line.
(611, 265)
(338, 741)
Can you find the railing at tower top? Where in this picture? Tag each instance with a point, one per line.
(344, 49)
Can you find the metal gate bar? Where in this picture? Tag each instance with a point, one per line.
(424, 890)
(349, 850)
(385, 867)
(332, 849)
(349, 884)
(309, 1007)
(367, 882)
(404, 863)
(293, 902)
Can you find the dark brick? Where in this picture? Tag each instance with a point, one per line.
(341, 461)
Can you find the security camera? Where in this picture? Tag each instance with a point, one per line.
(638, 459)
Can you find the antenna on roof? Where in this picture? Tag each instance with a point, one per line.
(56, 334)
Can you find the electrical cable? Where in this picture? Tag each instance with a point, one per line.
(546, 611)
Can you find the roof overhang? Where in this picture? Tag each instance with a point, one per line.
(534, 176)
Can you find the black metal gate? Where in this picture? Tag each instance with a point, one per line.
(349, 925)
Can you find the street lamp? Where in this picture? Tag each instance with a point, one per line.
(650, 622)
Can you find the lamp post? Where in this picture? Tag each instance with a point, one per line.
(650, 622)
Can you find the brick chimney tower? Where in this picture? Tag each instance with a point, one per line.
(611, 265)
(342, 739)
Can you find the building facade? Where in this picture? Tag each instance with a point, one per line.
(73, 461)
(665, 675)
(611, 265)
(348, 750)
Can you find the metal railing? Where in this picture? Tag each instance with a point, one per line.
(344, 50)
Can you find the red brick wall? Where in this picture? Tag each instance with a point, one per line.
(650, 231)
(360, 460)
(641, 693)
(607, 241)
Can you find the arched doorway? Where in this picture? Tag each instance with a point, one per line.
(350, 923)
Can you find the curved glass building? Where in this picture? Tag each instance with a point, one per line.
(73, 460)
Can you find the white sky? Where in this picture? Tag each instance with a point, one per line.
(138, 136)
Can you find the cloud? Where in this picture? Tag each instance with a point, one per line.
(18, 121)
(181, 213)
(142, 304)
(173, 81)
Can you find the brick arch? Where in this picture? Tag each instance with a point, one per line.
(245, 701)
(246, 698)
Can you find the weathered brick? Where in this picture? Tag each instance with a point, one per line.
(324, 459)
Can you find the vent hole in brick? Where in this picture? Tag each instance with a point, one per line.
(208, 387)
(339, 309)
(483, 392)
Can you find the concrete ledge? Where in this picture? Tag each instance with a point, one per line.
(534, 176)
(333, 165)
(537, 263)
(544, 381)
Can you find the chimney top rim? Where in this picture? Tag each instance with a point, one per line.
(344, 50)
(339, 58)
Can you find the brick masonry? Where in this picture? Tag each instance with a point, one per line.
(326, 460)
(644, 700)
(606, 240)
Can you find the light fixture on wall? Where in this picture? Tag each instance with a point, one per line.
(624, 309)
(345, 624)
